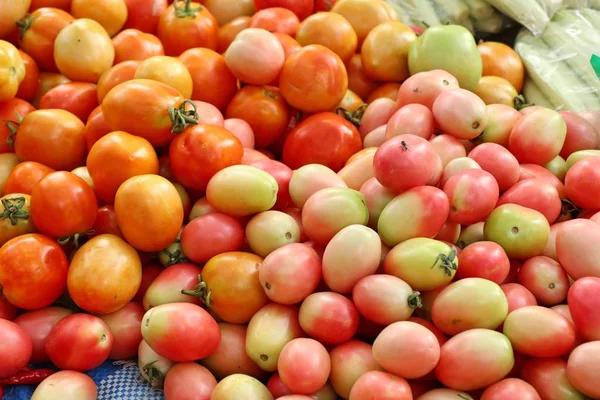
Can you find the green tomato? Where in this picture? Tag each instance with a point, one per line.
(558, 166)
(270, 230)
(580, 155)
(521, 231)
(451, 48)
(471, 234)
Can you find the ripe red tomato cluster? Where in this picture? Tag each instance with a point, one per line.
(256, 200)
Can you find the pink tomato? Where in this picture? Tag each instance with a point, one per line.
(518, 296)
(189, 381)
(450, 232)
(251, 156)
(460, 113)
(79, 342)
(357, 172)
(377, 114)
(16, 347)
(444, 394)
(241, 130)
(486, 260)
(349, 361)
(169, 285)
(455, 166)
(255, 56)
(539, 332)
(583, 303)
(583, 368)
(536, 194)
(309, 179)
(448, 148)
(38, 325)
(415, 119)
(581, 134)
(208, 235)
(511, 388)
(546, 279)
(66, 385)
(593, 117)
(375, 138)
(277, 387)
(583, 183)
(424, 87)
(208, 114)
(328, 317)
(576, 250)
(124, 325)
(532, 171)
(473, 194)
(441, 336)
(304, 365)
(498, 161)
(549, 378)
(377, 197)
(282, 174)
(407, 349)
(379, 384)
(501, 120)
(538, 137)
(407, 156)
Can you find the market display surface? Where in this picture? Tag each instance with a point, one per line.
(299, 199)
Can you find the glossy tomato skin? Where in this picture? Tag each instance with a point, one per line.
(304, 365)
(486, 260)
(582, 185)
(201, 151)
(106, 222)
(271, 123)
(582, 368)
(546, 279)
(323, 138)
(144, 14)
(583, 300)
(79, 98)
(189, 381)
(211, 234)
(473, 194)
(52, 137)
(549, 378)
(79, 342)
(33, 271)
(195, 23)
(24, 176)
(132, 44)
(16, 348)
(73, 382)
(104, 275)
(329, 317)
(535, 194)
(118, 73)
(302, 8)
(124, 324)
(11, 110)
(64, 215)
(181, 332)
(30, 84)
(282, 174)
(380, 383)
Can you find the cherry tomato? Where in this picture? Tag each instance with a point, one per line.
(34, 271)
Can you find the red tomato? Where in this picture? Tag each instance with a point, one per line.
(124, 324)
(211, 234)
(73, 213)
(473, 194)
(486, 260)
(149, 273)
(323, 138)
(95, 128)
(79, 98)
(189, 381)
(380, 384)
(275, 19)
(106, 222)
(511, 388)
(34, 271)
(349, 361)
(581, 134)
(144, 14)
(167, 287)
(531, 171)
(536, 194)
(546, 279)
(549, 378)
(518, 296)
(79, 342)
(498, 161)
(181, 332)
(132, 44)
(582, 368)
(583, 301)
(7, 310)
(304, 365)
(118, 73)
(271, 123)
(282, 174)
(582, 183)
(277, 387)
(302, 8)
(329, 317)
(574, 248)
(201, 151)
(16, 348)
(38, 325)
(29, 87)
(11, 113)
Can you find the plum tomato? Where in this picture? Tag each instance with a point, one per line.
(329, 317)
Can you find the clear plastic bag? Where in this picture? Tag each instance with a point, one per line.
(532, 14)
(576, 4)
(558, 61)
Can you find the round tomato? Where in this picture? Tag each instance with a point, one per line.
(230, 30)
(239, 386)
(123, 324)
(73, 213)
(199, 152)
(226, 11)
(549, 378)
(499, 162)
(349, 361)
(24, 176)
(116, 157)
(16, 346)
(582, 304)
(546, 279)
(329, 317)
(501, 60)
(275, 19)
(304, 365)
(47, 81)
(79, 98)
(330, 30)
(363, 15)
(168, 70)
(111, 14)
(209, 235)
(12, 113)
(144, 15)
(33, 271)
(582, 368)
(543, 130)
(189, 20)
(378, 383)
(132, 44)
(486, 260)
(189, 380)
(536, 194)
(118, 73)
(13, 70)
(358, 81)
(581, 183)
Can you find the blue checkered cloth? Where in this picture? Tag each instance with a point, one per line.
(115, 381)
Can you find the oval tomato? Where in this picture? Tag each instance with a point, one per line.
(473, 194)
(119, 73)
(510, 388)
(349, 361)
(189, 380)
(238, 386)
(380, 383)
(124, 324)
(582, 185)
(543, 129)
(16, 348)
(582, 367)
(304, 365)
(80, 385)
(328, 317)
(535, 194)
(546, 279)
(549, 378)
(486, 260)
(330, 30)
(573, 250)
(582, 304)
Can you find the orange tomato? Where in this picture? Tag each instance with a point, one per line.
(358, 81)
(12, 11)
(60, 4)
(53, 137)
(132, 44)
(212, 80)
(24, 176)
(226, 11)
(276, 19)
(39, 31)
(79, 98)
(351, 102)
(271, 123)
(387, 90)
(384, 52)
(144, 14)
(313, 79)
(47, 81)
(12, 70)
(95, 128)
(104, 274)
(11, 113)
(149, 212)
(289, 44)
(83, 50)
(116, 157)
(232, 282)
(496, 90)
(84, 174)
(8, 162)
(363, 15)
(141, 107)
(501, 60)
(111, 14)
(229, 31)
(31, 82)
(118, 73)
(185, 25)
(168, 70)
(330, 30)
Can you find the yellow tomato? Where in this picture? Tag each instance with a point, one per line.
(496, 90)
(111, 14)
(12, 70)
(168, 70)
(11, 11)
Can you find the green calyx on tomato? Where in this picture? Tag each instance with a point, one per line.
(201, 291)
(155, 376)
(13, 209)
(24, 24)
(355, 117)
(187, 11)
(78, 239)
(446, 262)
(414, 300)
(182, 118)
(451, 48)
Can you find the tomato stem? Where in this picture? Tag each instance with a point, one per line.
(182, 118)
(201, 291)
(24, 24)
(155, 376)
(355, 116)
(414, 300)
(520, 103)
(76, 238)
(175, 257)
(447, 262)
(568, 208)
(187, 11)
(13, 209)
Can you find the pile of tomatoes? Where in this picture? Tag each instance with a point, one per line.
(258, 200)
